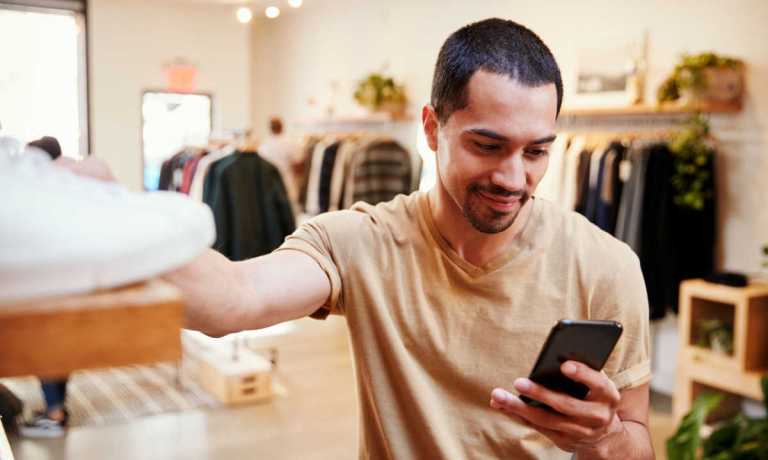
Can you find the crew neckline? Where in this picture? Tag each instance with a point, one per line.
(524, 240)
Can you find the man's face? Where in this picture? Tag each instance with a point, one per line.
(492, 154)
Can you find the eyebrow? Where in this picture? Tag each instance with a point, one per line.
(500, 137)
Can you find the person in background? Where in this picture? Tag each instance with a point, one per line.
(49, 145)
(52, 421)
(282, 152)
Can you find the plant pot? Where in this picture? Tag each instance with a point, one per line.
(722, 85)
(394, 110)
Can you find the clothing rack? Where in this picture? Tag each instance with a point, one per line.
(621, 180)
(345, 166)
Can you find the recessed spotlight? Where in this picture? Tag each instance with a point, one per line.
(272, 12)
(244, 15)
(295, 3)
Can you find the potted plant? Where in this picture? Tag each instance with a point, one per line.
(704, 78)
(716, 335)
(380, 93)
(740, 438)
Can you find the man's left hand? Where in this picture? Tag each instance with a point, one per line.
(578, 425)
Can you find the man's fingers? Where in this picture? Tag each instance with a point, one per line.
(601, 388)
(538, 418)
(92, 167)
(594, 414)
(560, 439)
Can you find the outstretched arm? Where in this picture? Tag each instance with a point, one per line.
(224, 297)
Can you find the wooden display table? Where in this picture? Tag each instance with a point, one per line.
(52, 337)
(700, 369)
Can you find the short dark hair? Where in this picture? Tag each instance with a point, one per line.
(276, 125)
(48, 145)
(495, 45)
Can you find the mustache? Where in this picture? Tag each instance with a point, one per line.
(498, 191)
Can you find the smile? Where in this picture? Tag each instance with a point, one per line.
(501, 204)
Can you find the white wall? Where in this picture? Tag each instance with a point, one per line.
(297, 56)
(131, 41)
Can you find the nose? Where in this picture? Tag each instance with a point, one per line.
(510, 173)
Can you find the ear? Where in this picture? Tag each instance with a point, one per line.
(431, 125)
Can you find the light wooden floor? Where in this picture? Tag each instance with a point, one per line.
(317, 419)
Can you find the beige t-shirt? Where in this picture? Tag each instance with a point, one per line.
(432, 334)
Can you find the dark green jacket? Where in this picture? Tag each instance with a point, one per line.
(250, 206)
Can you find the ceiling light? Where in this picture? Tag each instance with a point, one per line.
(244, 15)
(295, 3)
(272, 12)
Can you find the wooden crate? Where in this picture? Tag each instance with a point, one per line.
(746, 309)
(52, 337)
(246, 379)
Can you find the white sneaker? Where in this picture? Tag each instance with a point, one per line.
(62, 234)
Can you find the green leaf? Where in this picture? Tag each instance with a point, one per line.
(684, 444)
(724, 438)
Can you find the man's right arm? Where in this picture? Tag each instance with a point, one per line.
(223, 297)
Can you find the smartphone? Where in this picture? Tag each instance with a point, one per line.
(586, 341)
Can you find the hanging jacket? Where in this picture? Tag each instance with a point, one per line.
(250, 206)
(378, 173)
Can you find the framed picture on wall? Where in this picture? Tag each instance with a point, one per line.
(609, 73)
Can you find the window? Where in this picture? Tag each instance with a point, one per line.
(43, 73)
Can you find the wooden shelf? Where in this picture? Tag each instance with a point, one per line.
(704, 356)
(648, 110)
(746, 310)
(744, 384)
(364, 120)
(52, 337)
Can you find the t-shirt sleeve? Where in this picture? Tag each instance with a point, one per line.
(325, 239)
(623, 298)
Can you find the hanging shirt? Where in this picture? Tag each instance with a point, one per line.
(433, 334)
(378, 172)
(551, 185)
(312, 205)
(571, 173)
(629, 224)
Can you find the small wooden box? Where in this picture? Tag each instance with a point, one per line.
(244, 380)
(746, 310)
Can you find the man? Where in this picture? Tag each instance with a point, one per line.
(52, 421)
(283, 153)
(449, 294)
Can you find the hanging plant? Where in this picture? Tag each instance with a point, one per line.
(378, 92)
(692, 164)
(765, 254)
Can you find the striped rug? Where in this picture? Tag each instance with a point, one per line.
(118, 394)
